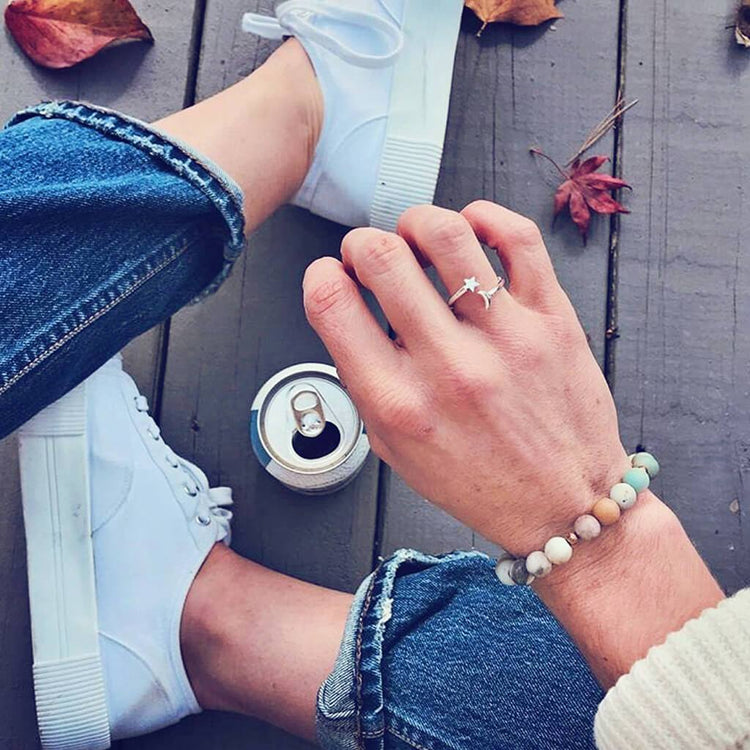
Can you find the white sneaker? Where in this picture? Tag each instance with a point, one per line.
(117, 528)
(385, 68)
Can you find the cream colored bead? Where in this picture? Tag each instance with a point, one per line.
(503, 570)
(624, 495)
(558, 551)
(538, 564)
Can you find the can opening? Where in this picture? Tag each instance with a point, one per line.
(312, 448)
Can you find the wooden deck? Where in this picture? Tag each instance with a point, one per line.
(663, 293)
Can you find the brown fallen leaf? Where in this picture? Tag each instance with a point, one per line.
(584, 190)
(61, 33)
(742, 26)
(519, 12)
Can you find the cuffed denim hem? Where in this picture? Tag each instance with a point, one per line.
(437, 655)
(220, 189)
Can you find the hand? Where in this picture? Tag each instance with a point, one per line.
(502, 417)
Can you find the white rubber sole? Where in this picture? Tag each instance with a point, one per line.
(418, 112)
(71, 698)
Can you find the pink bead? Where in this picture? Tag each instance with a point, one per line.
(587, 527)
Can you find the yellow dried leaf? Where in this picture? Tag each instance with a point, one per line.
(519, 12)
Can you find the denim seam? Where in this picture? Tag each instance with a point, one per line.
(361, 735)
(178, 251)
(407, 740)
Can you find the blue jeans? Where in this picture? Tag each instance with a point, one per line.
(438, 655)
(106, 228)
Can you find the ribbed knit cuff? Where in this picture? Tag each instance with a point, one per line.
(693, 691)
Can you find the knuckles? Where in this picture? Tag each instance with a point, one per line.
(468, 384)
(327, 295)
(373, 251)
(524, 233)
(405, 415)
(448, 232)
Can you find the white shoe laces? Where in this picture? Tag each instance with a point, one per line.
(297, 18)
(211, 503)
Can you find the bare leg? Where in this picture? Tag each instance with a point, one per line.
(258, 642)
(262, 131)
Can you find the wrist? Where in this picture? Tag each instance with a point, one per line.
(627, 590)
(574, 496)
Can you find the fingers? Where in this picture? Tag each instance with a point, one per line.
(521, 249)
(385, 264)
(363, 353)
(447, 241)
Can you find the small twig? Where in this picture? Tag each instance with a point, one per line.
(603, 128)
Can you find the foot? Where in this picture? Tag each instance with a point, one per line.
(117, 528)
(385, 69)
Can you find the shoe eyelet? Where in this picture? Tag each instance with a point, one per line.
(152, 434)
(190, 490)
(174, 465)
(203, 520)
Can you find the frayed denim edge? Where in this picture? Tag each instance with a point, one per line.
(356, 721)
(201, 172)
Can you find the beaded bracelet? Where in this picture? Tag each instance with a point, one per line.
(520, 571)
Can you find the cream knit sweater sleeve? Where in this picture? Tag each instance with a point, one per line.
(692, 692)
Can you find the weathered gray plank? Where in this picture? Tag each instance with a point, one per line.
(515, 88)
(683, 359)
(147, 82)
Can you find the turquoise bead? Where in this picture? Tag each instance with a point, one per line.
(637, 479)
(646, 461)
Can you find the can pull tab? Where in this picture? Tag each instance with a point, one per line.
(308, 413)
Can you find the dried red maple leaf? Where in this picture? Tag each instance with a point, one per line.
(585, 190)
(61, 33)
(519, 12)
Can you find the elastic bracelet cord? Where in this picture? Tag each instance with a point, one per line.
(521, 571)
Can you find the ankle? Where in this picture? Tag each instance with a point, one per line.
(288, 75)
(309, 96)
(203, 630)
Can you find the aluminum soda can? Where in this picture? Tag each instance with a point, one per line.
(306, 431)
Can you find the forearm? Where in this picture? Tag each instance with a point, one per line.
(626, 591)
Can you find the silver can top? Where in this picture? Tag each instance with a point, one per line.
(306, 420)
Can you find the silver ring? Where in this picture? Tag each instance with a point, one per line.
(490, 293)
(470, 286)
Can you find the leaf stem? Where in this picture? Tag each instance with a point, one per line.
(539, 152)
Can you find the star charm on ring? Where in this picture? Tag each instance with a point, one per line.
(470, 286)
